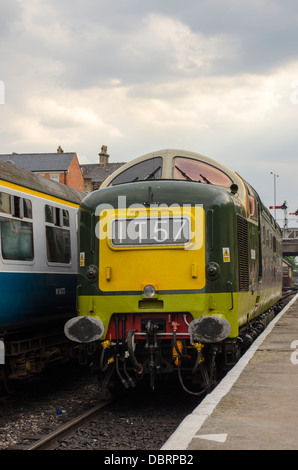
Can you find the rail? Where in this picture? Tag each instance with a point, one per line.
(50, 441)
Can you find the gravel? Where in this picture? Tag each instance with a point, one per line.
(44, 403)
(139, 420)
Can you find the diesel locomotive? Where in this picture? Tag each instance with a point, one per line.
(180, 265)
(38, 270)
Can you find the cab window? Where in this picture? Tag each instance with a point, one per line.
(150, 169)
(252, 202)
(201, 172)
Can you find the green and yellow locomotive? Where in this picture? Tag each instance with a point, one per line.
(180, 264)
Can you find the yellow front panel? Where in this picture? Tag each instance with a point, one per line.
(172, 267)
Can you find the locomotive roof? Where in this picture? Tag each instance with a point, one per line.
(168, 155)
(16, 175)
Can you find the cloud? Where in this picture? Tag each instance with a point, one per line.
(213, 76)
(164, 42)
(154, 48)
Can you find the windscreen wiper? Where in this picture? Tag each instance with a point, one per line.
(152, 173)
(205, 179)
(184, 174)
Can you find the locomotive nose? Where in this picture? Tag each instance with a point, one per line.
(209, 329)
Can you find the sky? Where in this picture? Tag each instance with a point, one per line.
(217, 77)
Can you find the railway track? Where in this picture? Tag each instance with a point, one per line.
(51, 440)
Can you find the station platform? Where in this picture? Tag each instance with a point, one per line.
(255, 406)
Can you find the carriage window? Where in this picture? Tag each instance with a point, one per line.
(27, 209)
(49, 213)
(65, 218)
(17, 240)
(5, 203)
(201, 172)
(58, 245)
(57, 235)
(16, 206)
(150, 169)
(53, 215)
(16, 235)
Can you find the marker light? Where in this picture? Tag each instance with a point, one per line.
(212, 271)
(149, 291)
(92, 273)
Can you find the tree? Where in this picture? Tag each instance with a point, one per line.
(292, 261)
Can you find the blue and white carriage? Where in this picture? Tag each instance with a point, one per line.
(38, 267)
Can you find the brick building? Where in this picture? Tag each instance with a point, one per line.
(61, 166)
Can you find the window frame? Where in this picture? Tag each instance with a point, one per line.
(17, 213)
(57, 223)
(131, 169)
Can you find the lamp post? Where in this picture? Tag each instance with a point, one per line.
(275, 176)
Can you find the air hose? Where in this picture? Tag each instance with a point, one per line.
(176, 345)
(138, 367)
(122, 379)
(188, 391)
(105, 362)
(103, 365)
(197, 362)
(194, 369)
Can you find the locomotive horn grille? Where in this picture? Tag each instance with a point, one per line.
(243, 254)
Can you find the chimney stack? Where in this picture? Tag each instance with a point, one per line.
(103, 156)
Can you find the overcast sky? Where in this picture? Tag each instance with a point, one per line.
(218, 77)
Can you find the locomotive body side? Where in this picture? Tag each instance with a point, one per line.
(177, 265)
